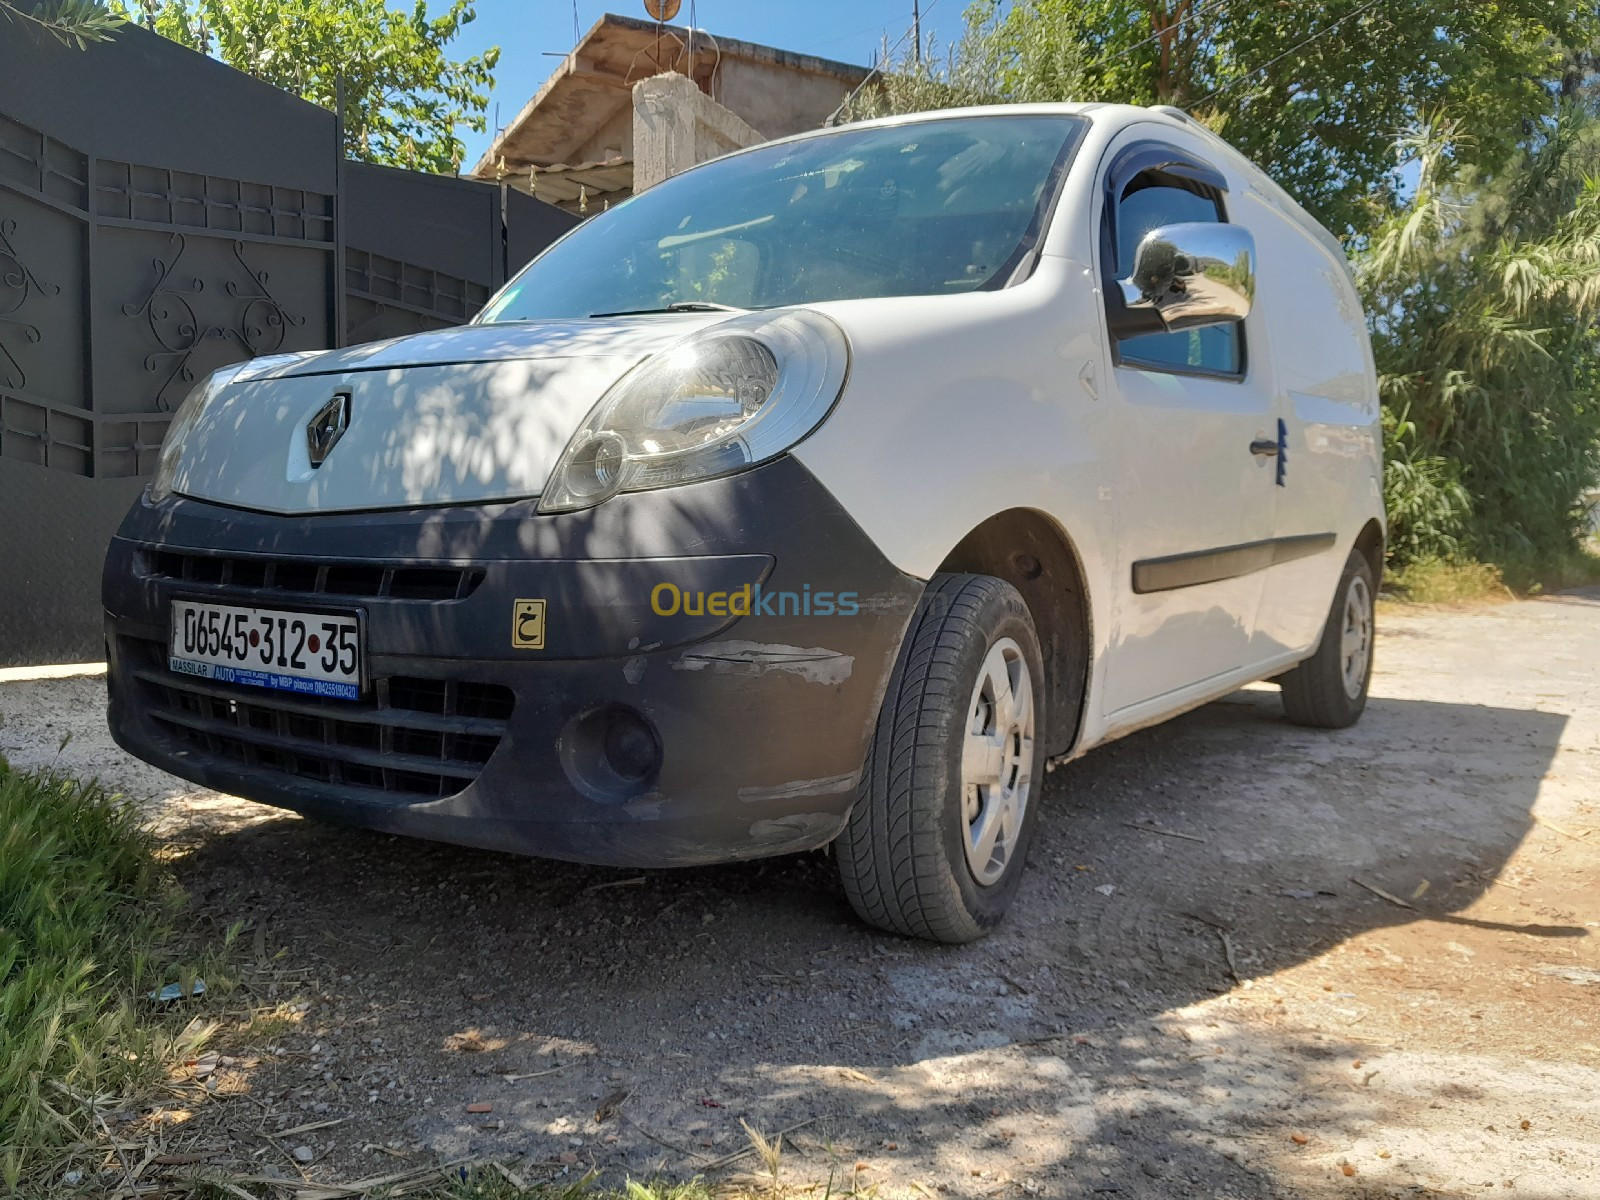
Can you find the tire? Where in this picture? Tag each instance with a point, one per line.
(904, 856)
(1329, 689)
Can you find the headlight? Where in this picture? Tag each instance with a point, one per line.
(723, 399)
(183, 421)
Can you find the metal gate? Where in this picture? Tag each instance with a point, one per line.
(162, 215)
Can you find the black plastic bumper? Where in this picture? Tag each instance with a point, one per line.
(630, 738)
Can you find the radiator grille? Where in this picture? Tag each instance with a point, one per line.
(312, 576)
(413, 739)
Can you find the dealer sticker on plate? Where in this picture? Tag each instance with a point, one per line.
(314, 654)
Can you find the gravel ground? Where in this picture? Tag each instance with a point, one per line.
(1223, 1014)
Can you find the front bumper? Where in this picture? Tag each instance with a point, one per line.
(760, 722)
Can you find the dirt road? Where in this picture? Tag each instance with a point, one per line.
(1225, 1013)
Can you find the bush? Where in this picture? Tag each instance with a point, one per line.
(1484, 296)
(1532, 573)
(86, 918)
(1427, 505)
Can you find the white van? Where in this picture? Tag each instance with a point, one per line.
(818, 495)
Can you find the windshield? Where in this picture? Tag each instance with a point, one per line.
(920, 209)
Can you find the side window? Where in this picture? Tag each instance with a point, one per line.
(1150, 200)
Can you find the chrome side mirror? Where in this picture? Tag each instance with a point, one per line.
(1190, 275)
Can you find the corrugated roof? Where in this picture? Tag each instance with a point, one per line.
(567, 186)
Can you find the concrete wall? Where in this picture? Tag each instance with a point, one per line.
(771, 91)
(776, 98)
(615, 135)
(676, 125)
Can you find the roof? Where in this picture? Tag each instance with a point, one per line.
(593, 83)
(581, 188)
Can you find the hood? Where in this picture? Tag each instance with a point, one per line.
(473, 414)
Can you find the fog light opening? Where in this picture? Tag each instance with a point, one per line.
(611, 754)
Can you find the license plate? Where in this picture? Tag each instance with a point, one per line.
(314, 654)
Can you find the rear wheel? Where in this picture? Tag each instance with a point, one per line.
(1329, 689)
(936, 843)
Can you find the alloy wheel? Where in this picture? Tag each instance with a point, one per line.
(1355, 638)
(997, 761)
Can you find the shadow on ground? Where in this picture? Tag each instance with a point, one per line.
(1060, 1057)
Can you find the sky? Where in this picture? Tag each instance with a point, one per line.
(533, 35)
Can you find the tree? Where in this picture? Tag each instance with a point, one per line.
(1484, 297)
(404, 97)
(1315, 91)
(1481, 279)
(74, 21)
(985, 65)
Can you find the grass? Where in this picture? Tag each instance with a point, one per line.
(498, 1182)
(1437, 581)
(501, 1183)
(1546, 573)
(492, 1183)
(87, 927)
(1445, 581)
(91, 922)
(495, 1181)
(485, 1183)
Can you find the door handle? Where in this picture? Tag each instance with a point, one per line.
(1266, 447)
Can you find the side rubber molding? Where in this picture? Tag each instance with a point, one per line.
(1209, 566)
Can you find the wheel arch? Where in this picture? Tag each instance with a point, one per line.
(1370, 542)
(1030, 551)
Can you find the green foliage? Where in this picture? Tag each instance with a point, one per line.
(1447, 581)
(1483, 292)
(85, 924)
(1422, 493)
(1482, 284)
(404, 97)
(77, 22)
(969, 72)
(1314, 91)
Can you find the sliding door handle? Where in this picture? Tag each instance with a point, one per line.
(1266, 447)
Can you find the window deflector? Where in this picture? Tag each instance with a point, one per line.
(1174, 168)
(1157, 158)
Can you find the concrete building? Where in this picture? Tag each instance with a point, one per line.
(573, 144)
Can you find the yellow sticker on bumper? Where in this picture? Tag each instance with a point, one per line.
(527, 625)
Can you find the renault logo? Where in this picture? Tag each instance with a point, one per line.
(327, 427)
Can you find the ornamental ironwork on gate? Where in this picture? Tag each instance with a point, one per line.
(162, 215)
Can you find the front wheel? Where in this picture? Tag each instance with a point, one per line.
(937, 839)
(1329, 689)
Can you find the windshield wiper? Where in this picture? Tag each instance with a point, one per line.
(676, 306)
